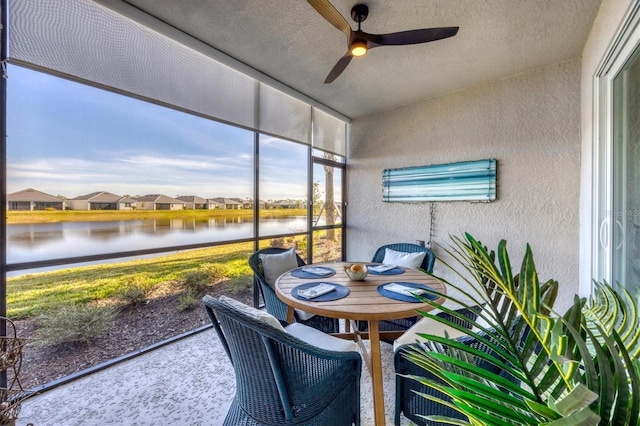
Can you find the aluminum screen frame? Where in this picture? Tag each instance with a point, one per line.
(465, 181)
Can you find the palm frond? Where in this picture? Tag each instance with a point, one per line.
(530, 365)
(616, 310)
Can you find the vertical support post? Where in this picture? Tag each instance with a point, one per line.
(344, 212)
(345, 195)
(310, 205)
(256, 210)
(256, 186)
(3, 177)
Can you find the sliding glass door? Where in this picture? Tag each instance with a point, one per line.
(616, 174)
(625, 215)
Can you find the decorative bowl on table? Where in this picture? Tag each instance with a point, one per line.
(356, 271)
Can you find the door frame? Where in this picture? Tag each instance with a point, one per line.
(623, 46)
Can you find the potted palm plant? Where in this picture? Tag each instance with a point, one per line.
(536, 367)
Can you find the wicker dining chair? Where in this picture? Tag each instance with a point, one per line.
(411, 399)
(427, 265)
(277, 307)
(281, 379)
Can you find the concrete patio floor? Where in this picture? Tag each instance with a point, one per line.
(188, 382)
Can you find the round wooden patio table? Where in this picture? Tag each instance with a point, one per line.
(363, 303)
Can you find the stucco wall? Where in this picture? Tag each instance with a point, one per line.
(603, 31)
(529, 122)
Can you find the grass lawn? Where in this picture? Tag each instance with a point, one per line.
(31, 294)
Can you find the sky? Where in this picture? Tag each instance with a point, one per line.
(69, 139)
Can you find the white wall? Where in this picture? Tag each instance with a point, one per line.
(605, 27)
(529, 122)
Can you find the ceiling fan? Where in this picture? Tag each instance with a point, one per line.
(359, 42)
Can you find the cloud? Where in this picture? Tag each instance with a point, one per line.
(72, 139)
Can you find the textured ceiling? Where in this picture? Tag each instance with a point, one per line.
(288, 41)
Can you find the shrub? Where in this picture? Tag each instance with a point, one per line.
(301, 245)
(216, 271)
(197, 281)
(277, 242)
(187, 301)
(241, 284)
(134, 292)
(132, 295)
(80, 323)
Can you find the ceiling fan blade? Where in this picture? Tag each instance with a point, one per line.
(409, 37)
(332, 15)
(338, 68)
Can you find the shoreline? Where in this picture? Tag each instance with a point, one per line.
(57, 216)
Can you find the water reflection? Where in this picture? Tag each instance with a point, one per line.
(31, 242)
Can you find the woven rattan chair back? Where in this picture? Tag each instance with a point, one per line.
(281, 380)
(427, 263)
(277, 307)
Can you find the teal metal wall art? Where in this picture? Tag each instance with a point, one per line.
(466, 181)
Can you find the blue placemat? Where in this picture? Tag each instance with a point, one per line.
(302, 273)
(401, 297)
(395, 271)
(340, 292)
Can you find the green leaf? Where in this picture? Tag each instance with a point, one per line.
(577, 399)
(604, 381)
(542, 410)
(529, 287)
(499, 396)
(474, 405)
(505, 266)
(477, 416)
(447, 420)
(584, 417)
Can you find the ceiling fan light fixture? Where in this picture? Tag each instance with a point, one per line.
(358, 42)
(359, 48)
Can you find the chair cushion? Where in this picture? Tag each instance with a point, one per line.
(319, 339)
(400, 258)
(252, 312)
(275, 265)
(426, 326)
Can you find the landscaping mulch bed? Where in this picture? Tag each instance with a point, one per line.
(135, 327)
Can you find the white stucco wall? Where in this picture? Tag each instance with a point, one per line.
(605, 27)
(529, 122)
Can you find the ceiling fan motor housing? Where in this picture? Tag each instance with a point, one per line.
(359, 12)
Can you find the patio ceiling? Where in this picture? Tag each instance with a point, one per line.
(288, 41)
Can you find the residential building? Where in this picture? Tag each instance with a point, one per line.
(31, 199)
(158, 202)
(95, 201)
(194, 202)
(228, 203)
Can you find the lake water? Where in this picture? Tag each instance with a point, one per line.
(33, 242)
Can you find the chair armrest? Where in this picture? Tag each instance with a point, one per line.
(274, 306)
